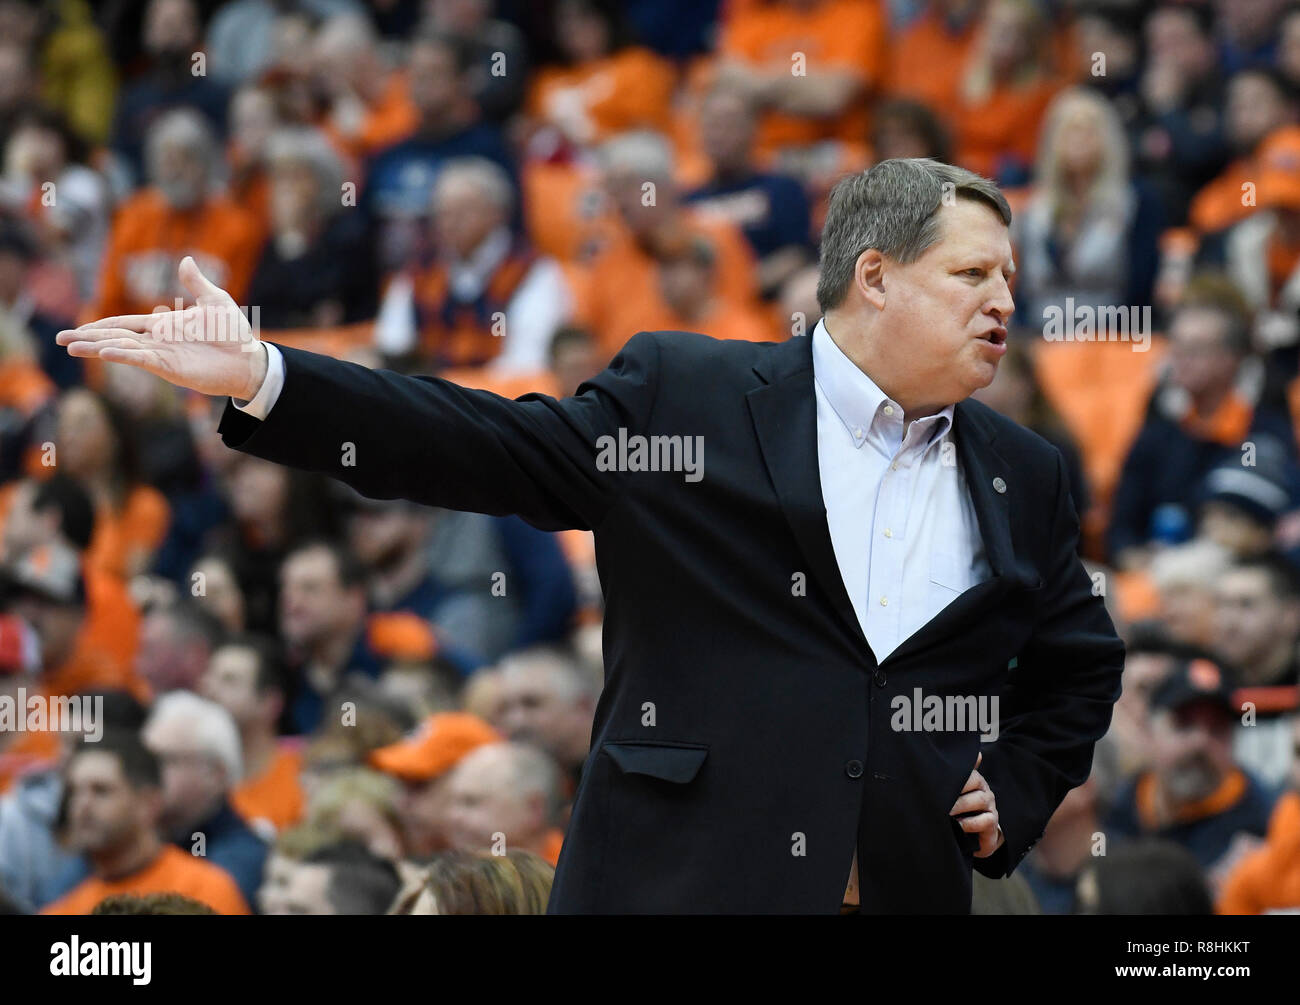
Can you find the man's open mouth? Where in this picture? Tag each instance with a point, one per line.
(995, 335)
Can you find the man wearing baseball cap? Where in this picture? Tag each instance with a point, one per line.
(422, 762)
(1194, 794)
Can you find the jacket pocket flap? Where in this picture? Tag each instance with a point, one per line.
(671, 764)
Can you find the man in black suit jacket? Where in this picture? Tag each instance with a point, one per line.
(747, 752)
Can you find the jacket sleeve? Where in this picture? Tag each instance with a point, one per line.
(433, 442)
(1056, 703)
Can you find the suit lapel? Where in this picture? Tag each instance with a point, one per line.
(784, 410)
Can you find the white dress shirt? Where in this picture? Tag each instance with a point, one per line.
(900, 516)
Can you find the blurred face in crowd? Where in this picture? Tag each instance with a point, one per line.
(104, 812)
(484, 799)
(360, 820)
(727, 125)
(84, 435)
(381, 536)
(56, 626)
(1010, 35)
(180, 174)
(35, 151)
(1187, 609)
(947, 301)
(314, 603)
(169, 657)
(252, 119)
(686, 285)
(15, 74)
(1094, 35)
(194, 780)
(1254, 109)
(1252, 620)
(581, 33)
(432, 80)
(1080, 139)
(422, 809)
(1191, 749)
(171, 28)
(464, 17)
(463, 215)
(540, 706)
(293, 887)
(1204, 365)
(221, 597)
(231, 681)
(1174, 39)
(295, 196)
(627, 190)
(258, 491)
(574, 362)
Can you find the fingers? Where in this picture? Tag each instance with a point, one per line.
(979, 799)
(138, 324)
(90, 349)
(196, 282)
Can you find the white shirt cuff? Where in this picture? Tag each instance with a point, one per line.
(260, 405)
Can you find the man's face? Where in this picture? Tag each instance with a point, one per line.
(939, 310)
(1191, 749)
(165, 658)
(535, 709)
(463, 216)
(170, 26)
(231, 681)
(726, 128)
(1254, 110)
(482, 801)
(422, 809)
(1251, 620)
(1202, 361)
(104, 811)
(292, 887)
(1174, 38)
(313, 602)
(431, 79)
(193, 780)
(180, 175)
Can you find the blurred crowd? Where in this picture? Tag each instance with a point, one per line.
(319, 703)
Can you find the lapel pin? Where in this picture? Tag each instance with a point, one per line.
(999, 485)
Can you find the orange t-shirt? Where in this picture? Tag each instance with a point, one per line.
(138, 527)
(276, 794)
(838, 35)
(1006, 122)
(1269, 878)
(172, 871)
(927, 61)
(148, 241)
(551, 845)
(629, 89)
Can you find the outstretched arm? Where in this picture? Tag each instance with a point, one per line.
(388, 435)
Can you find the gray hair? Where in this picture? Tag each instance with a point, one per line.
(183, 127)
(211, 726)
(488, 178)
(642, 152)
(305, 145)
(893, 208)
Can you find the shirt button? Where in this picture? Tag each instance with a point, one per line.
(857, 432)
(879, 677)
(884, 601)
(888, 532)
(894, 466)
(889, 409)
(853, 769)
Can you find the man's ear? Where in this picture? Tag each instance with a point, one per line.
(869, 277)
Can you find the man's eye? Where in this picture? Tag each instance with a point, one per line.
(973, 272)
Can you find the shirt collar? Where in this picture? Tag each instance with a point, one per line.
(859, 402)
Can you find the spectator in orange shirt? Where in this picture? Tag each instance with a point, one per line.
(619, 289)
(1259, 105)
(245, 677)
(606, 84)
(367, 106)
(927, 53)
(1007, 83)
(94, 443)
(505, 796)
(114, 805)
(688, 288)
(810, 64)
(180, 214)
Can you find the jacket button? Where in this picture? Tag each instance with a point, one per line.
(879, 677)
(853, 769)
